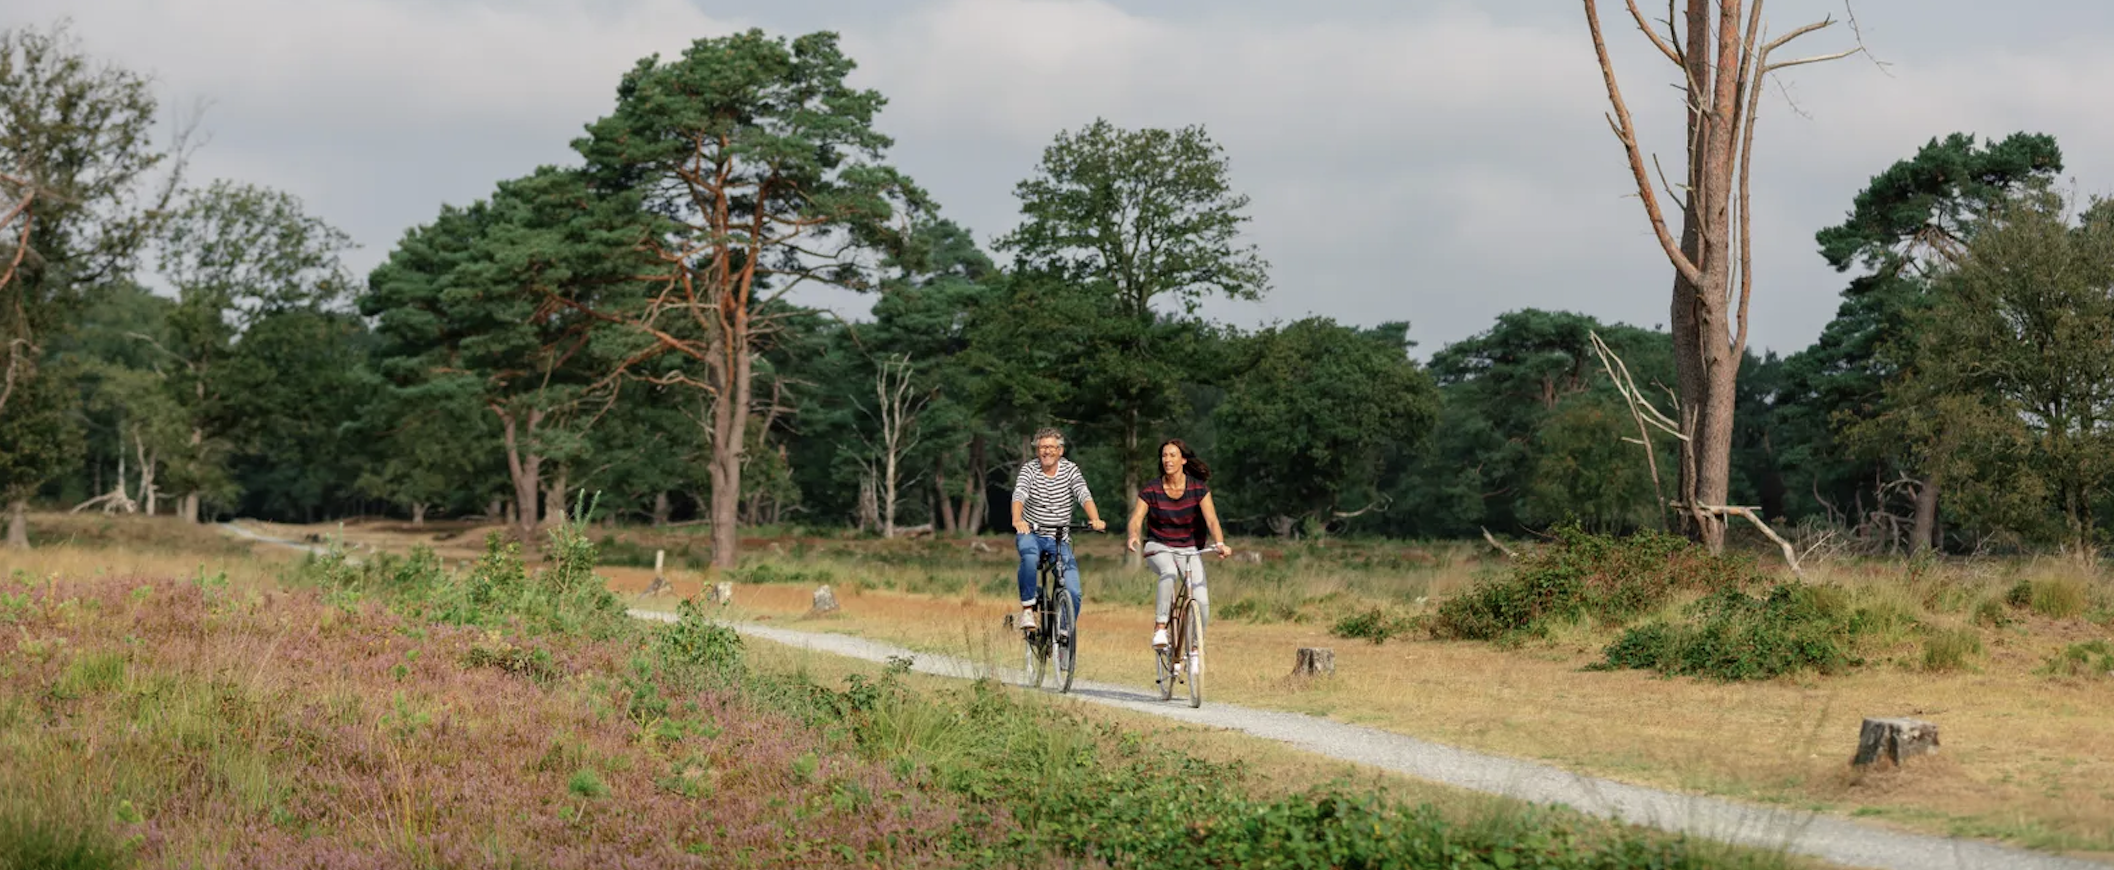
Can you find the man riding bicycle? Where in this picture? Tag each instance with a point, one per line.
(1044, 493)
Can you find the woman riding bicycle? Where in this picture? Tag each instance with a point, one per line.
(1175, 512)
(1043, 494)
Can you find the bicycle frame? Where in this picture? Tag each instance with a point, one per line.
(1055, 615)
(1182, 660)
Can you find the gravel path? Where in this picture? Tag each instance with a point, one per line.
(1830, 838)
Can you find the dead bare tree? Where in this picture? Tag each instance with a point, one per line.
(1725, 57)
(897, 404)
(1649, 417)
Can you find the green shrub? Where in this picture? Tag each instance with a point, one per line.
(1612, 579)
(1373, 625)
(2092, 659)
(587, 783)
(1794, 627)
(696, 640)
(1948, 649)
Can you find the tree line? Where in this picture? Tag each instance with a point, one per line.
(628, 325)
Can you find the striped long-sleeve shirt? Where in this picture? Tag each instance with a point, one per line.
(1047, 500)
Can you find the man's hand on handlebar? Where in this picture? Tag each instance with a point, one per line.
(1098, 525)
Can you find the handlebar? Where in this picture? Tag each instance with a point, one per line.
(1192, 551)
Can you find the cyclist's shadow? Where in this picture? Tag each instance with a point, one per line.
(1118, 693)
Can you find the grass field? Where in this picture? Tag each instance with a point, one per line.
(175, 700)
(2007, 669)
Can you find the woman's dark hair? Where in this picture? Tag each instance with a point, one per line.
(1191, 465)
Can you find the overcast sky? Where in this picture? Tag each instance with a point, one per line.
(1436, 162)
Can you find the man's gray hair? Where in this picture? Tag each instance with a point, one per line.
(1048, 432)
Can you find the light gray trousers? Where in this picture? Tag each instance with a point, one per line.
(1162, 560)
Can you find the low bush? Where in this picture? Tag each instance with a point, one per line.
(1611, 579)
(1372, 625)
(1794, 627)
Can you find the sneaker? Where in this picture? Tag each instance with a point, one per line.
(1159, 638)
(1027, 619)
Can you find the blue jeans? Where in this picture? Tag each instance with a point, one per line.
(1031, 548)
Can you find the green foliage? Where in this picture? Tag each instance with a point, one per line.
(587, 783)
(1794, 627)
(76, 153)
(2091, 660)
(38, 437)
(1580, 574)
(1909, 223)
(1528, 432)
(1119, 220)
(1100, 793)
(1374, 625)
(698, 640)
(1313, 414)
(2013, 381)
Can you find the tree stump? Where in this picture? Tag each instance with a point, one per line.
(825, 601)
(1894, 741)
(721, 593)
(1312, 662)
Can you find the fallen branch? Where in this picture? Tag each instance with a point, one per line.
(1790, 554)
(1500, 547)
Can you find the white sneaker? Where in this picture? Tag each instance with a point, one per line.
(1027, 619)
(1159, 638)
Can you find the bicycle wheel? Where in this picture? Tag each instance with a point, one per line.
(1066, 645)
(1193, 660)
(1163, 658)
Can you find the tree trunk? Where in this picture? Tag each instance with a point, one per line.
(18, 524)
(1130, 474)
(554, 500)
(730, 419)
(1924, 534)
(188, 507)
(888, 494)
(942, 507)
(526, 469)
(660, 508)
(974, 489)
(418, 514)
